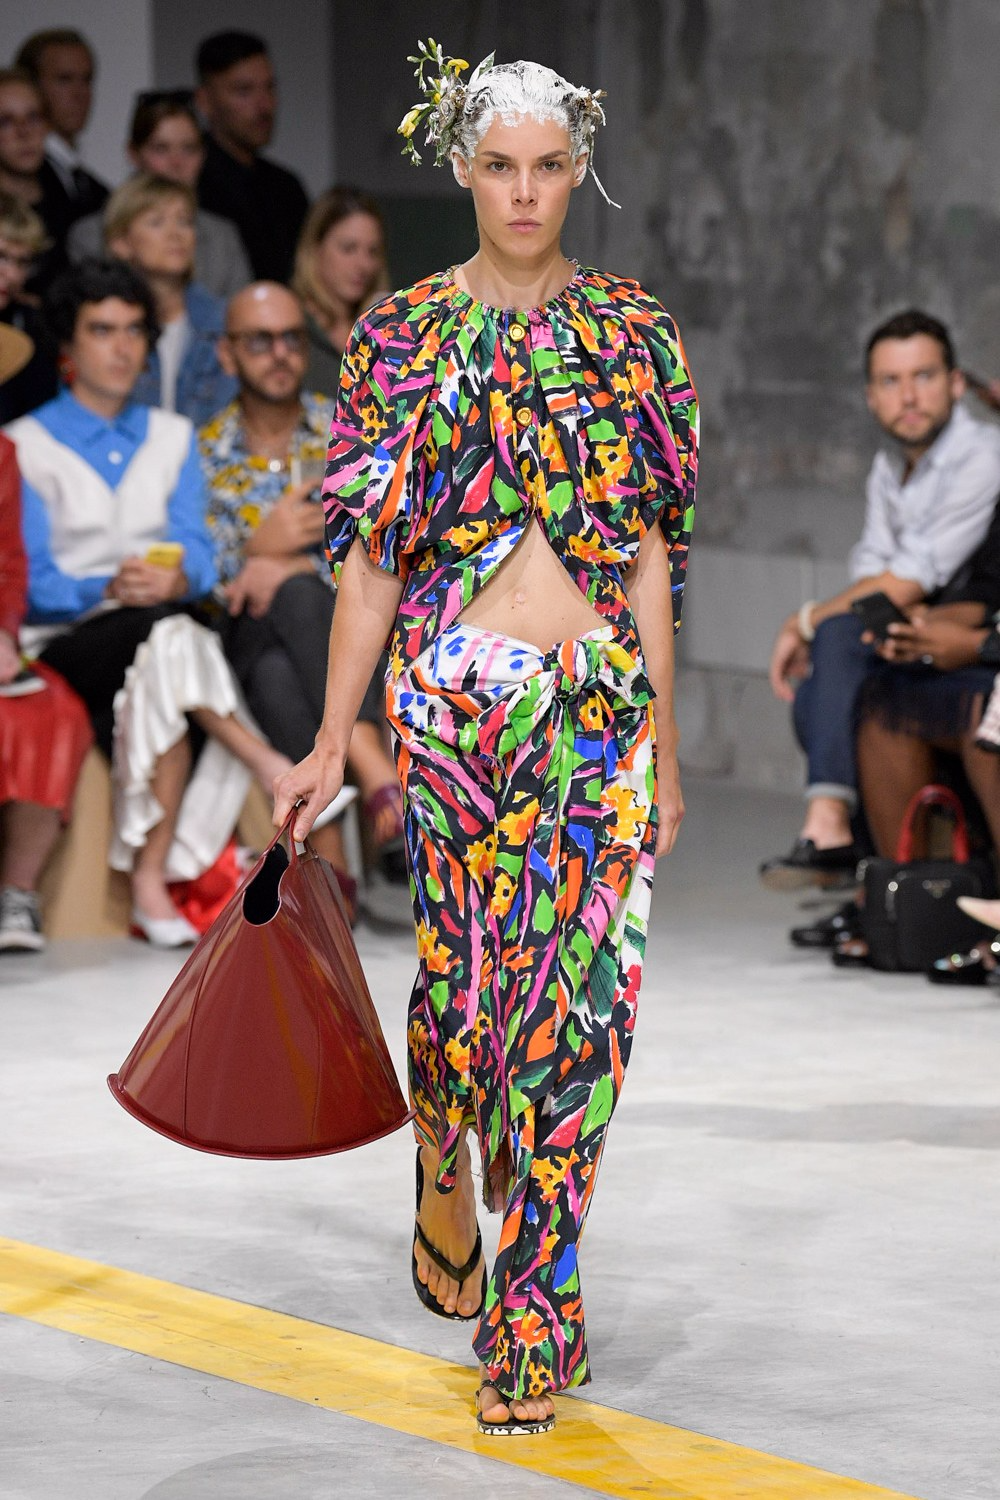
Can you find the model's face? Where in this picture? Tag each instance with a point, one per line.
(161, 240)
(66, 79)
(265, 345)
(174, 150)
(15, 268)
(23, 128)
(350, 257)
(240, 104)
(108, 349)
(521, 177)
(911, 391)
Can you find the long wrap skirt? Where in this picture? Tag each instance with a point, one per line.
(529, 782)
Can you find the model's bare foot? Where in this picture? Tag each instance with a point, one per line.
(449, 1222)
(493, 1407)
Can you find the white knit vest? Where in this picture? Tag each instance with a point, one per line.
(94, 527)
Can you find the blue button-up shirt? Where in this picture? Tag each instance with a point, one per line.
(108, 447)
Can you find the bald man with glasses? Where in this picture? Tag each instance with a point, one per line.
(264, 457)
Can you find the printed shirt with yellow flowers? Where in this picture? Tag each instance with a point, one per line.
(242, 486)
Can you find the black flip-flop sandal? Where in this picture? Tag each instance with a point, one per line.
(457, 1273)
(512, 1427)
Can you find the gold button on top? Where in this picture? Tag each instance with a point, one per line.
(523, 416)
(517, 332)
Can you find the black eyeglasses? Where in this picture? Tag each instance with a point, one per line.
(183, 97)
(263, 341)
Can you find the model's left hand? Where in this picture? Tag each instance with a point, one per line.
(670, 801)
(948, 644)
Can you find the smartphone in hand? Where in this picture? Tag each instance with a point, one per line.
(877, 612)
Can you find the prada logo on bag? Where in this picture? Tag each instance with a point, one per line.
(936, 888)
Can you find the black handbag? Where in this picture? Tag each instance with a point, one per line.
(910, 917)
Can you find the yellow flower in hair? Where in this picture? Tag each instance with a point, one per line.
(410, 120)
(458, 64)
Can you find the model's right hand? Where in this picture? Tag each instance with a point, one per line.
(314, 782)
(789, 661)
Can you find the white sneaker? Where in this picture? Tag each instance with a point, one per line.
(20, 921)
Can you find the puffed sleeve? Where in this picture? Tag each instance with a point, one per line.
(669, 406)
(372, 465)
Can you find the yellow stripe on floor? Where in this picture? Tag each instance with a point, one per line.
(594, 1447)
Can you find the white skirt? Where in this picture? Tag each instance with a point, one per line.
(179, 667)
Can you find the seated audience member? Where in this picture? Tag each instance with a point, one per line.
(44, 729)
(61, 62)
(27, 176)
(105, 484)
(930, 497)
(150, 222)
(923, 700)
(237, 98)
(165, 140)
(22, 238)
(339, 266)
(268, 534)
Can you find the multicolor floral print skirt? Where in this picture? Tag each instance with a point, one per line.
(529, 783)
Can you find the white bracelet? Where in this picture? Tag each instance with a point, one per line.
(807, 629)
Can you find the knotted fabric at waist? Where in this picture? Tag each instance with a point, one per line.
(500, 690)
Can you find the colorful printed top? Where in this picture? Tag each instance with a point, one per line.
(243, 486)
(458, 422)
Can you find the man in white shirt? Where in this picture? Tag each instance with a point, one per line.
(61, 63)
(931, 494)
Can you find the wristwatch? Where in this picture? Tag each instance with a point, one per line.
(988, 654)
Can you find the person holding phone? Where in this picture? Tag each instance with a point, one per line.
(931, 493)
(114, 531)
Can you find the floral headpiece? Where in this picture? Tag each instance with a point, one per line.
(438, 79)
(455, 112)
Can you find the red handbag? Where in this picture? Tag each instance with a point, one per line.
(267, 1043)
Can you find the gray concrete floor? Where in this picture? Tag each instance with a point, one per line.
(794, 1244)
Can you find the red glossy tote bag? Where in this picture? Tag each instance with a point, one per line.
(267, 1043)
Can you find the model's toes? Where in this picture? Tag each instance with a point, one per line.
(448, 1294)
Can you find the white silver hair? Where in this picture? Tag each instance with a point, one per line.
(510, 91)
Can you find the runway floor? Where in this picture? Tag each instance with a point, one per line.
(790, 1270)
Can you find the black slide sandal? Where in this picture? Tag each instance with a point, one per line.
(457, 1273)
(511, 1426)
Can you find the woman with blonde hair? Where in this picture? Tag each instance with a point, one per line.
(339, 267)
(150, 223)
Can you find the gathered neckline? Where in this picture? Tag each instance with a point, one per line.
(462, 296)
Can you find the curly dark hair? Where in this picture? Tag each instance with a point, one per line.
(94, 280)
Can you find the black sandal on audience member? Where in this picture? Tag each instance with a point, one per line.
(510, 1426)
(457, 1273)
(826, 932)
(806, 865)
(972, 968)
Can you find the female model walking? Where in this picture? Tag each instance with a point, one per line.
(509, 495)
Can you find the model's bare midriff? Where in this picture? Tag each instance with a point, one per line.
(532, 597)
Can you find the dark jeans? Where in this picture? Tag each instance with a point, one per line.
(825, 707)
(95, 655)
(280, 661)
